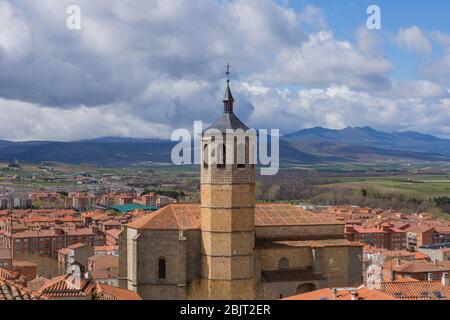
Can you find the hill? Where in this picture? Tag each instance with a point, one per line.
(309, 146)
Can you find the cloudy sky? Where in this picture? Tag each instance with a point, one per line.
(142, 68)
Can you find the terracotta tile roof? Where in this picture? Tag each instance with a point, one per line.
(104, 259)
(364, 293)
(12, 276)
(37, 283)
(416, 290)
(12, 287)
(177, 217)
(106, 248)
(76, 246)
(114, 233)
(187, 217)
(266, 243)
(105, 292)
(419, 228)
(417, 266)
(66, 286)
(104, 266)
(12, 291)
(391, 253)
(50, 233)
(421, 256)
(442, 229)
(112, 223)
(286, 215)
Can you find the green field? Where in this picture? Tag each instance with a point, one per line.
(418, 186)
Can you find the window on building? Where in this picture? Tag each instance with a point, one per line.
(205, 157)
(241, 156)
(162, 269)
(222, 161)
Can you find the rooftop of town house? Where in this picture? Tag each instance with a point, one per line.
(12, 276)
(132, 207)
(106, 248)
(13, 291)
(66, 286)
(419, 228)
(267, 243)
(113, 233)
(362, 293)
(112, 223)
(359, 229)
(43, 233)
(106, 292)
(76, 246)
(417, 266)
(394, 253)
(409, 289)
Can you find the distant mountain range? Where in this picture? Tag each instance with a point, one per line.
(362, 144)
(316, 145)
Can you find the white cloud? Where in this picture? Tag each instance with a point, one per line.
(140, 68)
(44, 123)
(313, 16)
(15, 37)
(323, 60)
(339, 106)
(413, 39)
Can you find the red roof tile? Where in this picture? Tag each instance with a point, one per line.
(105, 292)
(364, 293)
(66, 287)
(187, 217)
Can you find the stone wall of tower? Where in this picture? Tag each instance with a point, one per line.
(228, 231)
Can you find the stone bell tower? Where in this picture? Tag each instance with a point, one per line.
(228, 207)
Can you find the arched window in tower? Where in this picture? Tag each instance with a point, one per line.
(162, 269)
(241, 158)
(283, 264)
(222, 161)
(247, 150)
(206, 156)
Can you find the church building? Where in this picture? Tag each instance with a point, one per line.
(228, 247)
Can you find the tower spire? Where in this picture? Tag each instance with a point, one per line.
(228, 99)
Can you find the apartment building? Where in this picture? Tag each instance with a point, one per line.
(382, 236)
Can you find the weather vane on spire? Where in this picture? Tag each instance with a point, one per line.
(228, 72)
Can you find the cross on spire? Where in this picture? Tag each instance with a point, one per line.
(228, 99)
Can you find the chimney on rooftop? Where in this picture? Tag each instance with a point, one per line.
(335, 294)
(399, 262)
(445, 279)
(436, 262)
(355, 295)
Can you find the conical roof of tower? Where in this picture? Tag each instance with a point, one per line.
(228, 96)
(228, 120)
